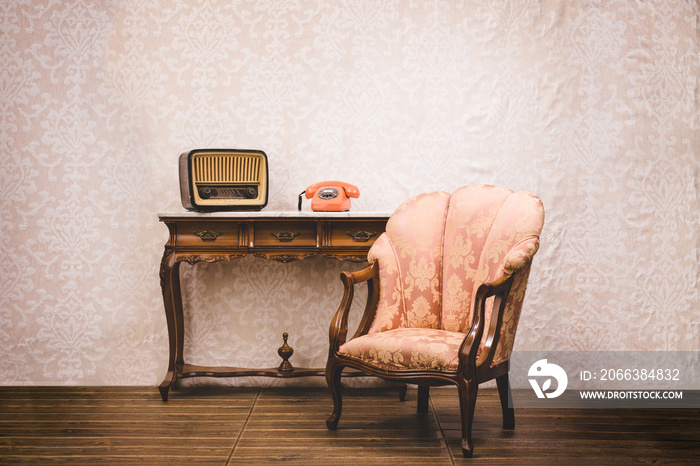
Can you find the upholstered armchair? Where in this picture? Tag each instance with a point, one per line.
(446, 283)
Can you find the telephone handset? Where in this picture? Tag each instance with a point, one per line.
(330, 196)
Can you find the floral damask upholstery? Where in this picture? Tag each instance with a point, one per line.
(446, 286)
(408, 348)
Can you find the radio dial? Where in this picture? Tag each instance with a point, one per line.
(250, 193)
(205, 193)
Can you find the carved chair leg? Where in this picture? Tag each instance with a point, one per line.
(333, 373)
(423, 394)
(504, 394)
(467, 401)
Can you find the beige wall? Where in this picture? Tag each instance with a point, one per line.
(594, 106)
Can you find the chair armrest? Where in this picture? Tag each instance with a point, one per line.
(521, 254)
(339, 325)
(499, 289)
(515, 269)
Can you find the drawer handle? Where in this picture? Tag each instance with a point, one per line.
(285, 236)
(362, 236)
(208, 235)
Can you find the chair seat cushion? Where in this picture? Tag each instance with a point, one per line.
(407, 348)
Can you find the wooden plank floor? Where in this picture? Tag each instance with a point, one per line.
(131, 425)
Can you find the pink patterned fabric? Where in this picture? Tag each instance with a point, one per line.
(469, 220)
(512, 241)
(410, 255)
(436, 251)
(407, 348)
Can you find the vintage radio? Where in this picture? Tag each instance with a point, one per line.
(223, 179)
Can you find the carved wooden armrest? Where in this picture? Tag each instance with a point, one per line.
(499, 290)
(339, 325)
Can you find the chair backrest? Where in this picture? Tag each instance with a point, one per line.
(438, 248)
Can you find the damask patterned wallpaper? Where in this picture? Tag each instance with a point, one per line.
(594, 106)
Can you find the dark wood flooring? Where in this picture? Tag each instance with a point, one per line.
(128, 425)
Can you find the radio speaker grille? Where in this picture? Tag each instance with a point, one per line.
(218, 169)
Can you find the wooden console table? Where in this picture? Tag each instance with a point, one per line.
(224, 236)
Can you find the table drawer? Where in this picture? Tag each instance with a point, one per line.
(217, 234)
(285, 233)
(355, 233)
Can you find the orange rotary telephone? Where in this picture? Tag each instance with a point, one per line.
(330, 196)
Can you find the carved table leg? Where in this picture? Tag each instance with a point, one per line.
(172, 300)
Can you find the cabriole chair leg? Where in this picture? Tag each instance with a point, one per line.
(423, 399)
(333, 373)
(504, 394)
(467, 401)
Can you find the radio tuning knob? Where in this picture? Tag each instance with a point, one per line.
(205, 193)
(250, 193)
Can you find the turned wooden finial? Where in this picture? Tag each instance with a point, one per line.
(285, 351)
